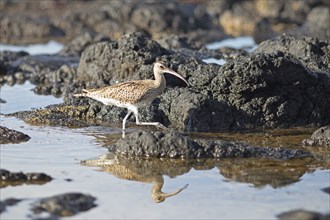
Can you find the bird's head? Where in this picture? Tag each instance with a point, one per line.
(161, 68)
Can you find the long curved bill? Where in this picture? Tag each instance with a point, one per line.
(167, 70)
(166, 195)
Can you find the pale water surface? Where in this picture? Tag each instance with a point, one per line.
(237, 43)
(228, 189)
(51, 47)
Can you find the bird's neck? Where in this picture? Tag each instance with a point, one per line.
(160, 81)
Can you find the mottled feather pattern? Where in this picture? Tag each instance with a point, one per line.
(127, 92)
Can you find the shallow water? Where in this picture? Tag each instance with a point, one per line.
(51, 47)
(218, 189)
(237, 43)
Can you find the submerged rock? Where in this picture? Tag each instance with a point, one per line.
(303, 215)
(56, 115)
(173, 145)
(11, 136)
(18, 178)
(8, 202)
(64, 205)
(319, 137)
(326, 190)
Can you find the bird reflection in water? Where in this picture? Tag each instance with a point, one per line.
(141, 170)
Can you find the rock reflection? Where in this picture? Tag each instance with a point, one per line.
(262, 172)
(258, 172)
(142, 170)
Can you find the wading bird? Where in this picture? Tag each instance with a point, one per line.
(134, 94)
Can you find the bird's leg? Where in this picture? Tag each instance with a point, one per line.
(126, 117)
(138, 122)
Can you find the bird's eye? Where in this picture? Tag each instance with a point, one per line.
(162, 67)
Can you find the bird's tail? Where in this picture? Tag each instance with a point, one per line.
(83, 94)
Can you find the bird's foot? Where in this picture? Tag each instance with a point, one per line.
(161, 126)
(156, 124)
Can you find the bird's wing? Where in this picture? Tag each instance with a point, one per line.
(127, 92)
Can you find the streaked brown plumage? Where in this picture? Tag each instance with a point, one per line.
(133, 94)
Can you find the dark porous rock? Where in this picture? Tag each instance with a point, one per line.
(319, 16)
(46, 71)
(316, 25)
(266, 19)
(237, 19)
(171, 17)
(178, 42)
(319, 137)
(55, 82)
(158, 144)
(75, 47)
(314, 53)
(131, 58)
(272, 90)
(39, 63)
(173, 145)
(8, 202)
(292, 11)
(7, 58)
(26, 29)
(67, 204)
(191, 111)
(12, 177)
(326, 190)
(18, 178)
(11, 136)
(199, 74)
(303, 215)
(56, 115)
(227, 149)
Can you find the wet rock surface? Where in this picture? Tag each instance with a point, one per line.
(50, 73)
(8, 202)
(64, 205)
(326, 190)
(8, 136)
(303, 215)
(320, 137)
(18, 178)
(172, 144)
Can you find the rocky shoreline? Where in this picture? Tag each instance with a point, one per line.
(283, 83)
(260, 90)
